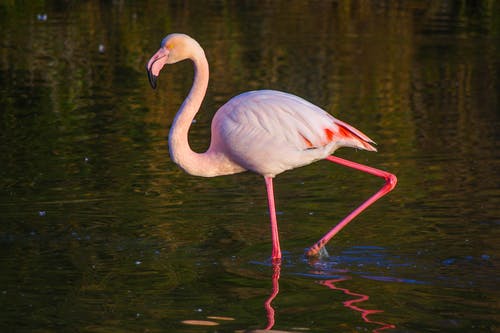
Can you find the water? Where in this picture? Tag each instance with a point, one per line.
(100, 231)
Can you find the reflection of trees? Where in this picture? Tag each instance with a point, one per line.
(323, 51)
(454, 104)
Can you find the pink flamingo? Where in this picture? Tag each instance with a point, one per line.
(263, 131)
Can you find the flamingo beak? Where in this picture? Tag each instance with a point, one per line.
(155, 64)
(152, 78)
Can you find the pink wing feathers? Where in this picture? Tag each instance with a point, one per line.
(269, 132)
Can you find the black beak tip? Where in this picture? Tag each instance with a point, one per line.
(152, 79)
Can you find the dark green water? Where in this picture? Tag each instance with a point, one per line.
(101, 232)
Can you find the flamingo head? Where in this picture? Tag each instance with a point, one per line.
(174, 48)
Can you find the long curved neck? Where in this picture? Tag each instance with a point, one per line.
(180, 151)
(212, 162)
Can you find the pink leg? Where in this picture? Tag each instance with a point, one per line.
(390, 183)
(276, 254)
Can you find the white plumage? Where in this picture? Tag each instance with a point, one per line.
(268, 132)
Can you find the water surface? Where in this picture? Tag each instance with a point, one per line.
(100, 231)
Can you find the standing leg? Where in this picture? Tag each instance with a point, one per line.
(276, 254)
(390, 183)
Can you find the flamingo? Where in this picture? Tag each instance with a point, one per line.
(264, 131)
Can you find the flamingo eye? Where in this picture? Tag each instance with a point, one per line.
(167, 44)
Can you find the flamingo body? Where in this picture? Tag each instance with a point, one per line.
(264, 131)
(269, 132)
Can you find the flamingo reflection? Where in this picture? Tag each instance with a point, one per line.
(274, 293)
(352, 304)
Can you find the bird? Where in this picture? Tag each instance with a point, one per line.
(263, 131)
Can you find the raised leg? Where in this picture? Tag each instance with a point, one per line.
(390, 183)
(276, 254)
